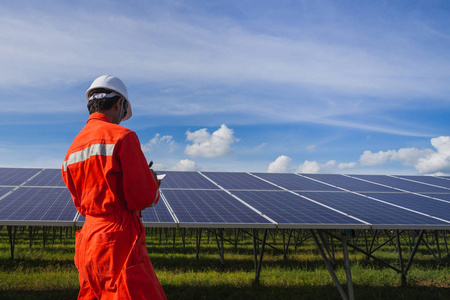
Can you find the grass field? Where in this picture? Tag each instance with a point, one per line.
(39, 272)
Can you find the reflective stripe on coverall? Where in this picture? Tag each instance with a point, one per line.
(110, 183)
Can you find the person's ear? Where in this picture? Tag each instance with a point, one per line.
(117, 104)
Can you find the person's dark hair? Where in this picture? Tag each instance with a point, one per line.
(103, 103)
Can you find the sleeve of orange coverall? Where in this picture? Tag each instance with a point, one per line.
(139, 186)
(68, 180)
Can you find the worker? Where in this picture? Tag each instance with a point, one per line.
(110, 183)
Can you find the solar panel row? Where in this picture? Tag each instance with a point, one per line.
(257, 200)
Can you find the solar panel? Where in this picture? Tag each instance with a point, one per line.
(38, 204)
(401, 183)
(430, 180)
(381, 215)
(443, 196)
(239, 181)
(212, 208)
(4, 191)
(294, 182)
(186, 180)
(349, 183)
(290, 210)
(197, 200)
(16, 176)
(159, 214)
(415, 202)
(48, 177)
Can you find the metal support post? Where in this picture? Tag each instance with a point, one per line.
(258, 263)
(31, 235)
(44, 235)
(174, 233)
(431, 251)
(413, 253)
(400, 258)
(220, 244)
(445, 242)
(373, 241)
(436, 233)
(329, 266)
(198, 238)
(351, 295)
(12, 239)
(326, 246)
(182, 233)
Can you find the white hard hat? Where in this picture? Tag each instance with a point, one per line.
(113, 83)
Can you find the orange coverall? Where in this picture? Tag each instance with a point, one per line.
(110, 182)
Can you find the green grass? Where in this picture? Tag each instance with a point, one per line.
(49, 273)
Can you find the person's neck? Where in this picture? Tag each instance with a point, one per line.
(111, 114)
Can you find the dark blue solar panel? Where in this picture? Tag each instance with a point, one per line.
(430, 180)
(401, 183)
(48, 177)
(4, 191)
(349, 183)
(287, 208)
(210, 206)
(186, 180)
(422, 204)
(295, 182)
(16, 176)
(444, 196)
(157, 214)
(371, 211)
(239, 181)
(38, 204)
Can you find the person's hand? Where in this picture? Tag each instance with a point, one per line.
(154, 173)
(156, 177)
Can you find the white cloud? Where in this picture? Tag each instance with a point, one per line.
(159, 167)
(350, 165)
(425, 161)
(210, 145)
(158, 140)
(261, 146)
(436, 162)
(280, 165)
(186, 165)
(407, 156)
(313, 167)
(374, 159)
(311, 147)
(410, 156)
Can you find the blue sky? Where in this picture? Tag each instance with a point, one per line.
(279, 86)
